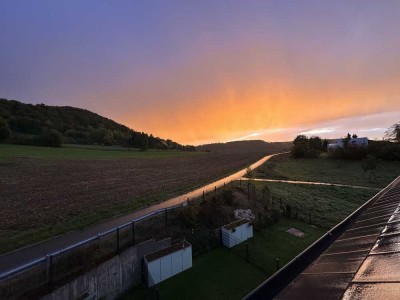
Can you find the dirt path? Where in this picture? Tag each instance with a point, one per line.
(33, 252)
(313, 183)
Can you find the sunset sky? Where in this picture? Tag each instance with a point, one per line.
(208, 71)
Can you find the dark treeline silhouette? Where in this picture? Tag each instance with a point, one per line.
(45, 125)
(250, 146)
(387, 149)
(306, 147)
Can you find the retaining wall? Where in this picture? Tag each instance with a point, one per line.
(111, 278)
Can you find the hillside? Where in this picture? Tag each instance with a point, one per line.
(45, 125)
(246, 146)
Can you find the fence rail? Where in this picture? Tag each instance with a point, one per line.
(41, 275)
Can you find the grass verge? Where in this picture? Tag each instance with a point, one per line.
(324, 169)
(325, 205)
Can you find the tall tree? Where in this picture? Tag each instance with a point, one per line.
(369, 164)
(4, 130)
(393, 133)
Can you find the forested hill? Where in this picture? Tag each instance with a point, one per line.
(41, 124)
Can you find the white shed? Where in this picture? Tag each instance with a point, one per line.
(236, 232)
(167, 262)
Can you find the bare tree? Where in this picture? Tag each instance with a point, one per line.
(393, 133)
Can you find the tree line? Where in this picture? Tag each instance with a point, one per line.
(45, 125)
(386, 149)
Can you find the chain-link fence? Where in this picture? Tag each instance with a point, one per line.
(42, 276)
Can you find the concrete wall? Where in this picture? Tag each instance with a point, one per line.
(111, 278)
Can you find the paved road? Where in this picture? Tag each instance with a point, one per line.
(25, 255)
(314, 183)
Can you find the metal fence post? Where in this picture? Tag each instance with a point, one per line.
(133, 232)
(118, 240)
(49, 270)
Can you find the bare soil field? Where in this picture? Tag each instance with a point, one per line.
(43, 197)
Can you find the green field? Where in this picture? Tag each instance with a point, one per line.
(324, 169)
(8, 152)
(225, 273)
(327, 205)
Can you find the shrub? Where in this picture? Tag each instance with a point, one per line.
(228, 196)
(4, 130)
(50, 138)
(188, 216)
(288, 211)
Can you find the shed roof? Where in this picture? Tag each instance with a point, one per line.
(163, 252)
(235, 224)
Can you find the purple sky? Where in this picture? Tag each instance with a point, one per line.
(201, 71)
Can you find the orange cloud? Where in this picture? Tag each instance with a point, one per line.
(224, 95)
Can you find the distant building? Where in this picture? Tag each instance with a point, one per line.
(353, 142)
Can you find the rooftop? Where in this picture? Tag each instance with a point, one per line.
(163, 252)
(359, 262)
(235, 224)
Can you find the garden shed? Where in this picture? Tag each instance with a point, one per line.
(167, 262)
(236, 232)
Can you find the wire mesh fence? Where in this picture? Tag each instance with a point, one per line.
(32, 277)
(58, 268)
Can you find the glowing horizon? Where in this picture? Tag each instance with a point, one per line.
(199, 72)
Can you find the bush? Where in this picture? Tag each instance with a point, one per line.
(50, 138)
(4, 130)
(228, 196)
(188, 216)
(288, 211)
(302, 151)
(275, 215)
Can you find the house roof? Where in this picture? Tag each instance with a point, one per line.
(361, 263)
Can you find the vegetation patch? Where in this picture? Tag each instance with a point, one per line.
(324, 169)
(324, 206)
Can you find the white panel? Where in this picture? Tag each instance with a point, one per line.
(226, 239)
(166, 268)
(154, 270)
(238, 235)
(232, 238)
(177, 261)
(242, 233)
(187, 258)
(250, 231)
